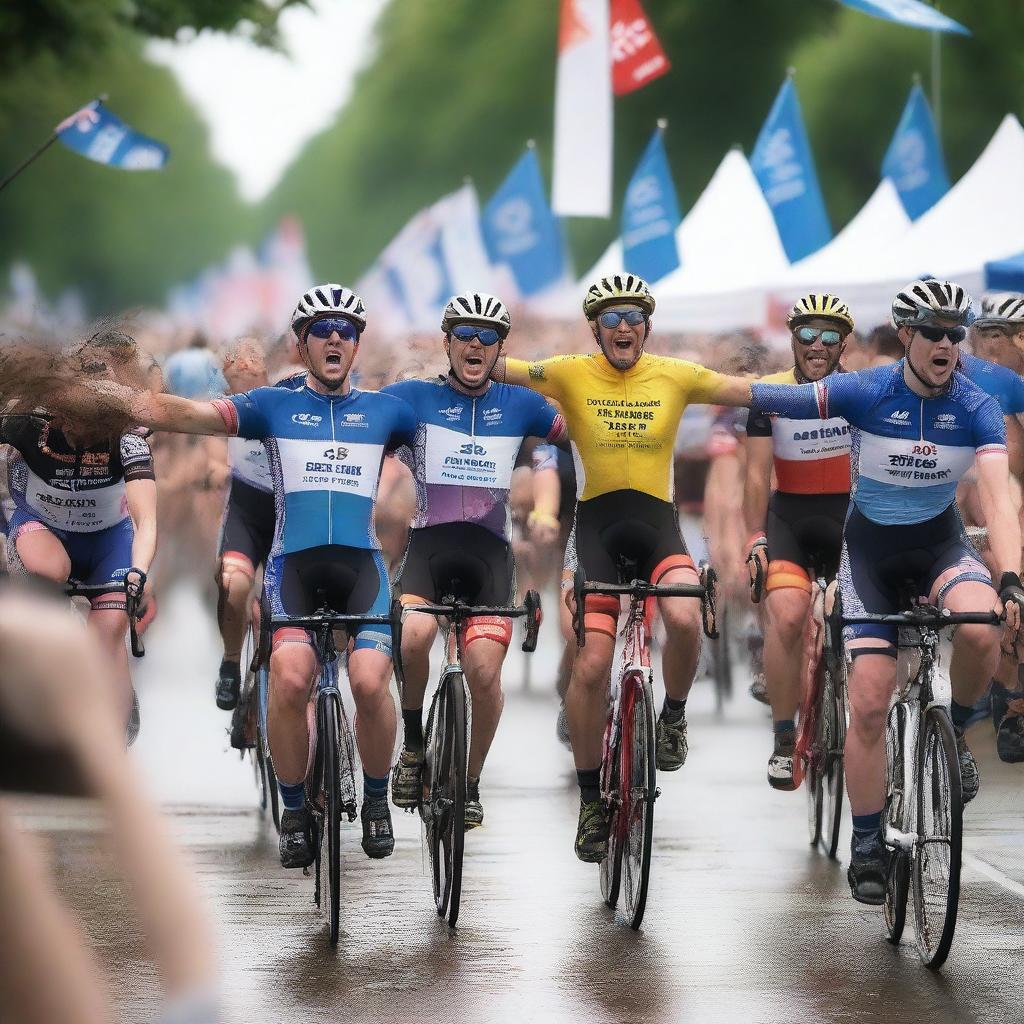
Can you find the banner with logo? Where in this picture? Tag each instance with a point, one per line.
(914, 13)
(914, 159)
(462, 241)
(416, 269)
(98, 134)
(637, 56)
(784, 167)
(650, 215)
(520, 230)
(582, 184)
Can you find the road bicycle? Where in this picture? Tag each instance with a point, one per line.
(331, 784)
(923, 816)
(442, 804)
(628, 769)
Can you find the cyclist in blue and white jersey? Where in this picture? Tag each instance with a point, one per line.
(917, 427)
(84, 511)
(325, 441)
(469, 433)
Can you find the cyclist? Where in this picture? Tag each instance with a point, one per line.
(800, 523)
(85, 510)
(325, 442)
(622, 406)
(469, 432)
(917, 427)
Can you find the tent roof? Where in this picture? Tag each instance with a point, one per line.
(1006, 275)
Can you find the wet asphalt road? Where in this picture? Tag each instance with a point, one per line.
(744, 921)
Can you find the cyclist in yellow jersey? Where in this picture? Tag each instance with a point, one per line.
(623, 407)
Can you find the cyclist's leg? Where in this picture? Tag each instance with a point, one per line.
(37, 550)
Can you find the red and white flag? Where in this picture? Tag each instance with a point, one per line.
(637, 56)
(582, 184)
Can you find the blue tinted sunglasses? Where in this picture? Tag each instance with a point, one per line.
(807, 336)
(323, 329)
(611, 318)
(467, 332)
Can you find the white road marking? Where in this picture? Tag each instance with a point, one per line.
(986, 869)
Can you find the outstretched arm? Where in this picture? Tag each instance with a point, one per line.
(182, 415)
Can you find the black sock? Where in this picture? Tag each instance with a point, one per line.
(673, 710)
(590, 784)
(959, 714)
(230, 668)
(413, 721)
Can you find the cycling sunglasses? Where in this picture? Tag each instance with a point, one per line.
(808, 336)
(467, 332)
(936, 334)
(611, 318)
(323, 329)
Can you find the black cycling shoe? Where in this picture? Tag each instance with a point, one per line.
(243, 733)
(229, 682)
(1010, 735)
(378, 836)
(295, 844)
(869, 868)
(970, 777)
(592, 831)
(474, 810)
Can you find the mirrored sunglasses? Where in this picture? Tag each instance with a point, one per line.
(467, 332)
(808, 336)
(611, 318)
(323, 329)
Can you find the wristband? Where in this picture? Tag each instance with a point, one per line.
(544, 518)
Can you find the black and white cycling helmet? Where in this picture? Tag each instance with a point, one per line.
(476, 308)
(328, 300)
(928, 300)
(1002, 309)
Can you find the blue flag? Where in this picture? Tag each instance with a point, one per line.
(650, 216)
(784, 167)
(96, 133)
(914, 158)
(908, 12)
(519, 228)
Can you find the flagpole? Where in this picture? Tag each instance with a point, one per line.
(937, 78)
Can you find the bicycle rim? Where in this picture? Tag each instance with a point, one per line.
(898, 883)
(936, 867)
(611, 866)
(637, 767)
(332, 810)
(814, 779)
(833, 738)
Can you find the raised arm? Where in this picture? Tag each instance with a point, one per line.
(511, 371)
(182, 415)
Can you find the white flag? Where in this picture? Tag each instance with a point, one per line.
(462, 243)
(583, 111)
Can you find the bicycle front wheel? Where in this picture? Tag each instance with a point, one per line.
(329, 732)
(446, 813)
(936, 866)
(611, 866)
(639, 789)
(832, 739)
(897, 816)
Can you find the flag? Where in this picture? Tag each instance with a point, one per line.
(583, 111)
(650, 215)
(100, 135)
(637, 56)
(908, 12)
(914, 158)
(416, 270)
(784, 167)
(462, 241)
(521, 231)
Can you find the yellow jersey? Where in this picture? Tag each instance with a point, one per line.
(622, 423)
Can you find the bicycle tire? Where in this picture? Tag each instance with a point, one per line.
(446, 827)
(262, 681)
(897, 886)
(721, 660)
(939, 789)
(813, 776)
(638, 772)
(329, 732)
(611, 866)
(832, 730)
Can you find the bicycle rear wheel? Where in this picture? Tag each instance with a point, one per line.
(639, 788)
(896, 815)
(329, 738)
(936, 866)
(813, 773)
(263, 743)
(832, 738)
(721, 659)
(611, 866)
(446, 809)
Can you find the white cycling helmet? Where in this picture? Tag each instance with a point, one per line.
(476, 308)
(1002, 309)
(328, 300)
(928, 300)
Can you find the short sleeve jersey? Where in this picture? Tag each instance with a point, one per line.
(622, 423)
(810, 457)
(908, 453)
(466, 447)
(325, 453)
(1005, 386)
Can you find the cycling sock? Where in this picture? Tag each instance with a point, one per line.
(293, 797)
(960, 715)
(590, 784)
(784, 725)
(864, 824)
(232, 667)
(374, 787)
(673, 710)
(412, 718)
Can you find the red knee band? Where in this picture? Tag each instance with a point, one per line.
(667, 565)
(490, 627)
(289, 635)
(784, 575)
(601, 614)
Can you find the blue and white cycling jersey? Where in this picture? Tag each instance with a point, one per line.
(1005, 386)
(466, 447)
(325, 454)
(908, 453)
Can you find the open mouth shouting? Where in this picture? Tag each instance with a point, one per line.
(333, 359)
(474, 361)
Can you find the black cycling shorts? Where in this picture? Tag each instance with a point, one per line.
(459, 559)
(807, 530)
(247, 525)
